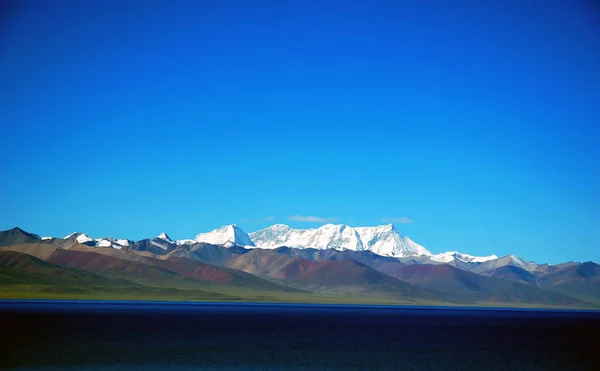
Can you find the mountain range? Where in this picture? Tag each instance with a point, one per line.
(333, 263)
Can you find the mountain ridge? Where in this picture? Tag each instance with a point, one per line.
(384, 240)
(224, 269)
(228, 235)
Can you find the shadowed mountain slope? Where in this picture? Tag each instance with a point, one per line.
(209, 253)
(470, 286)
(217, 274)
(172, 272)
(384, 264)
(168, 271)
(153, 246)
(366, 257)
(20, 268)
(40, 250)
(110, 266)
(538, 270)
(512, 273)
(347, 276)
(580, 280)
(17, 236)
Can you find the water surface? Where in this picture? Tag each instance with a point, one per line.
(89, 335)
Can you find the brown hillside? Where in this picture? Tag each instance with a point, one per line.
(470, 286)
(337, 276)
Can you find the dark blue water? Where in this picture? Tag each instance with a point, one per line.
(60, 335)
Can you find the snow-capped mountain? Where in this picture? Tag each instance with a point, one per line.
(386, 240)
(163, 236)
(84, 239)
(508, 260)
(79, 237)
(187, 241)
(382, 240)
(117, 243)
(163, 242)
(450, 256)
(329, 236)
(228, 235)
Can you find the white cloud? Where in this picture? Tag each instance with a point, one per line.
(311, 219)
(401, 220)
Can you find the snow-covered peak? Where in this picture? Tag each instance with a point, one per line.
(228, 234)
(336, 236)
(100, 242)
(165, 237)
(450, 256)
(382, 240)
(113, 242)
(83, 238)
(185, 242)
(328, 236)
(386, 240)
(123, 242)
(518, 261)
(103, 242)
(413, 246)
(280, 227)
(80, 237)
(276, 235)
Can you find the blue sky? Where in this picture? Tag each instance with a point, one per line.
(471, 127)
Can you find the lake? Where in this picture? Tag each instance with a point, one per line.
(88, 335)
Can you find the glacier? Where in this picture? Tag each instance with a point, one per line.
(450, 256)
(228, 235)
(382, 240)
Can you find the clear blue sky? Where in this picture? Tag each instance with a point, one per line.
(479, 122)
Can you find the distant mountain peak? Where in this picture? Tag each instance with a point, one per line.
(517, 260)
(383, 239)
(227, 235)
(17, 236)
(164, 236)
(79, 237)
(21, 231)
(450, 256)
